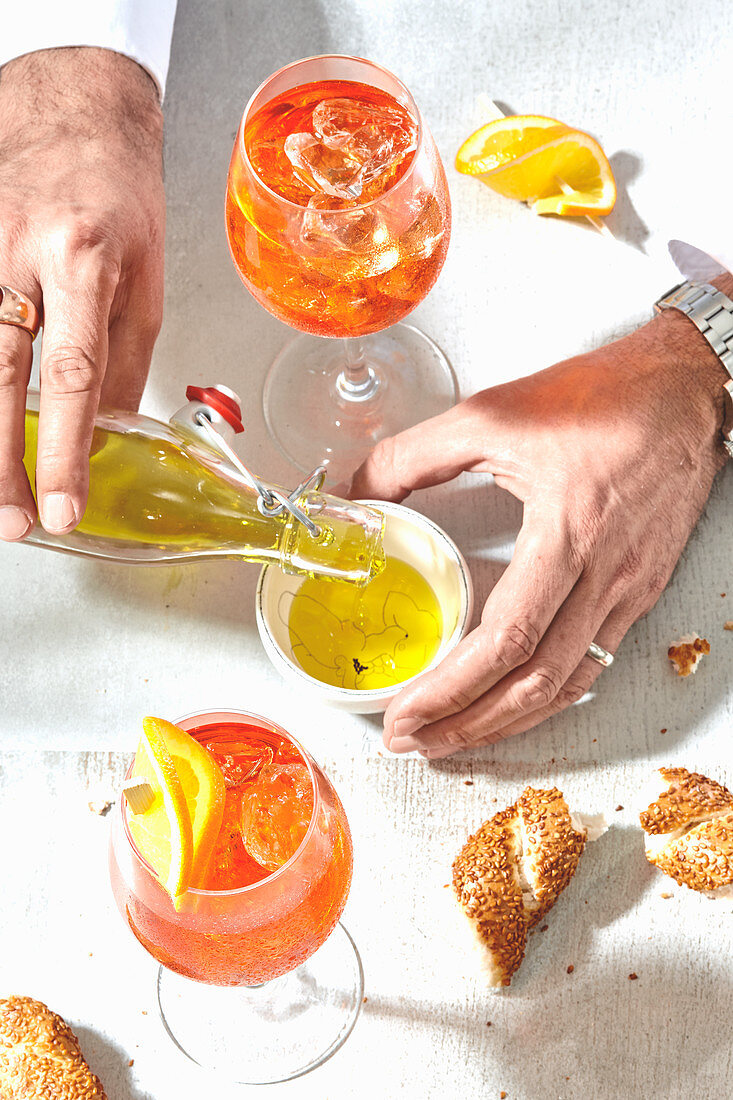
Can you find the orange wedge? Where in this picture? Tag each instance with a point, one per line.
(541, 161)
(177, 833)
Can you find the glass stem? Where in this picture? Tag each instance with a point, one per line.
(357, 381)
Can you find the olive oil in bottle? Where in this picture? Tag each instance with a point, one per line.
(164, 493)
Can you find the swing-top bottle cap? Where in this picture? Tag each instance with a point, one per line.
(223, 400)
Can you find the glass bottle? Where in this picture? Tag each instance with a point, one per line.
(165, 493)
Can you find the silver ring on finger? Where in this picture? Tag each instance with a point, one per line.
(16, 309)
(597, 653)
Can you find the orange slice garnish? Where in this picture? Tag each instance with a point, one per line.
(543, 162)
(177, 833)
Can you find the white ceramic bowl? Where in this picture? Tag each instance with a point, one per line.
(407, 535)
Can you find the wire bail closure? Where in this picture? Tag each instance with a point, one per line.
(270, 500)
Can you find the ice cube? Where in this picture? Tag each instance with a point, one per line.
(357, 239)
(276, 813)
(374, 136)
(353, 143)
(240, 762)
(326, 171)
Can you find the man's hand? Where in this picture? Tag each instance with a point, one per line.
(82, 216)
(613, 454)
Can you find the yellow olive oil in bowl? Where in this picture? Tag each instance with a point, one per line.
(356, 648)
(370, 637)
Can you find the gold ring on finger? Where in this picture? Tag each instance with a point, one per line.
(16, 309)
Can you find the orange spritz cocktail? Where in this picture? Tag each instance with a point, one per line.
(266, 887)
(343, 263)
(338, 219)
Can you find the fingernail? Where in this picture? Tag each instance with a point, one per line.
(14, 523)
(405, 744)
(403, 727)
(57, 511)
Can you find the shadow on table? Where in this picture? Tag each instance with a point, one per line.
(222, 592)
(592, 1033)
(111, 1064)
(623, 221)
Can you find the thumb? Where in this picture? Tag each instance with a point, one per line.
(429, 453)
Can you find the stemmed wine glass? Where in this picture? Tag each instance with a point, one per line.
(260, 982)
(338, 219)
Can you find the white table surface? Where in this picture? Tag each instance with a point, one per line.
(87, 649)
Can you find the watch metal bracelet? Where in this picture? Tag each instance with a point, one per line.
(712, 312)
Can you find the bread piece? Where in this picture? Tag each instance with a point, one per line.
(40, 1057)
(687, 653)
(689, 830)
(510, 873)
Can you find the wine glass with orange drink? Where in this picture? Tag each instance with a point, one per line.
(338, 219)
(231, 861)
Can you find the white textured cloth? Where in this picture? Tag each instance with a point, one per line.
(141, 29)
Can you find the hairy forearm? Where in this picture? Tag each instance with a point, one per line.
(84, 89)
(680, 350)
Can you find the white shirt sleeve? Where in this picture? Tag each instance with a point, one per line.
(141, 29)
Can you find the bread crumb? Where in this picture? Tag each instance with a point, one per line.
(665, 896)
(488, 1023)
(728, 624)
(633, 977)
(687, 653)
(502, 1096)
(571, 968)
(468, 782)
(364, 1000)
(100, 806)
(131, 1062)
(619, 807)
(663, 730)
(544, 927)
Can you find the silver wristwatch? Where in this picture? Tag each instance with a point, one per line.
(712, 312)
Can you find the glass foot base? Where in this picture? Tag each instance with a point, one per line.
(274, 1032)
(313, 420)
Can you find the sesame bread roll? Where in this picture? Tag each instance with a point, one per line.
(689, 830)
(40, 1057)
(510, 873)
